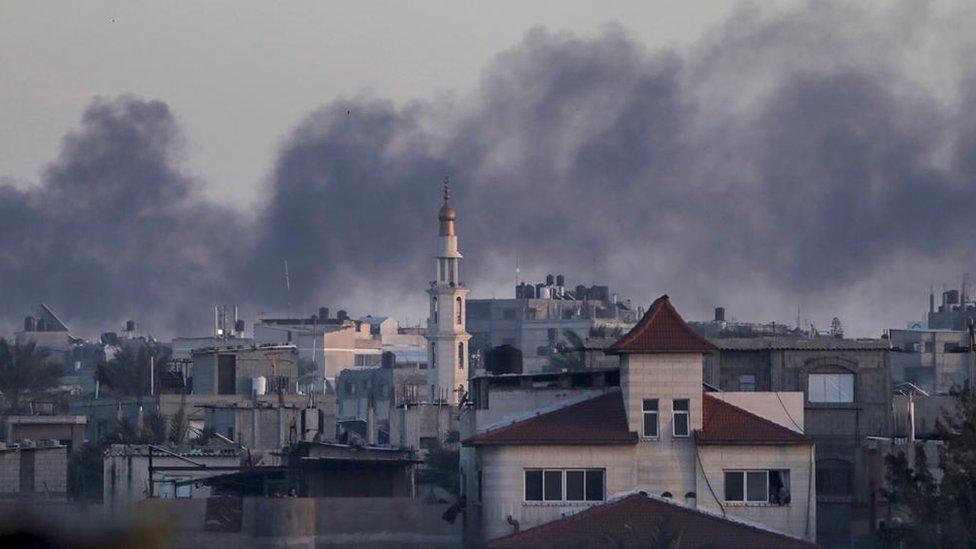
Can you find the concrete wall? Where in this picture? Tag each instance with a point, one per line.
(251, 363)
(798, 518)
(408, 424)
(307, 522)
(503, 472)
(34, 472)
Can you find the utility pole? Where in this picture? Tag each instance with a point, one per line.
(972, 355)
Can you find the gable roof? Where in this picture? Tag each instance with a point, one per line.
(661, 330)
(599, 420)
(639, 520)
(724, 423)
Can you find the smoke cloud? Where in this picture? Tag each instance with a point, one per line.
(820, 157)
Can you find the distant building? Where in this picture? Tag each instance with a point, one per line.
(242, 371)
(539, 447)
(846, 388)
(69, 431)
(332, 345)
(270, 426)
(537, 320)
(339, 470)
(47, 331)
(34, 470)
(721, 326)
(134, 472)
(955, 311)
(366, 397)
(935, 360)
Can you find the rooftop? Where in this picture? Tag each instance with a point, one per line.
(640, 520)
(800, 344)
(598, 420)
(724, 423)
(661, 330)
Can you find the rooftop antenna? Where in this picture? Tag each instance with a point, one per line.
(287, 287)
(516, 268)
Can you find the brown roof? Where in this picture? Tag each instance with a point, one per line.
(661, 330)
(599, 420)
(641, 521)
(723, 423)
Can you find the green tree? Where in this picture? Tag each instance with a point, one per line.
(128, 373)
(929, 513)
(25, 370)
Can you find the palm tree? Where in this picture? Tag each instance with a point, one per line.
(128, 373)
(25, 370)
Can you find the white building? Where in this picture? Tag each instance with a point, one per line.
(547, 446)
(447, 340)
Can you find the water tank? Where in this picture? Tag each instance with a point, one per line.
(341, 315)
(544, 292)
(130, 325)
(581, 293)
(323, 313)
(41, 325)
(239, 326)
(560, 280)
(259, 385)
(30, 324)
(503, 359)
(952, 297)
(719, 314)
(550, 280)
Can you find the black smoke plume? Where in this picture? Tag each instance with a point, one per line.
(815, 157)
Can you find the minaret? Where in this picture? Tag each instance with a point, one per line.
(447, 340)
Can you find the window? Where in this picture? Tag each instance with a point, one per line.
(650, 418)
(459, 316)
(433, 355)
(758, 486)
(747, 382)
(460, 356)
(435, 309)
(564, 485)
(681, 417)
(452, 271)
(442, 276)
(830, 388)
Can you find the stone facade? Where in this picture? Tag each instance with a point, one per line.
(839, 429)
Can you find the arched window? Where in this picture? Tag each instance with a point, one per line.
(433, 355)
(435, 309)
(460, 314)
(460, 355)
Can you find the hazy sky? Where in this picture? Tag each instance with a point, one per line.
(240, 74)
(159, 157)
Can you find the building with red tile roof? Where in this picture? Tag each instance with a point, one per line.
(542, 450)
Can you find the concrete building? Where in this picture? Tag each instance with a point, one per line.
(134, 472)
(540, 447)
(235, 371)
(447, 339)
(935, 360)
(34, 470)
(47, 331)
(366, 397)
(340, 470)
(846, 385)
(333, 345)
(69, 431)
(536, 321)
(270, 426)
(955, 311)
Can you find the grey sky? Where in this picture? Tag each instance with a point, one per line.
(240, 74)
(759, 156)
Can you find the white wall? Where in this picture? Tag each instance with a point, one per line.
(799, 518)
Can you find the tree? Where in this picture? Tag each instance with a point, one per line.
(930, 513)
(25, 370)
(128, 373)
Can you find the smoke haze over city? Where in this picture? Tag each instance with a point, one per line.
(779, 161)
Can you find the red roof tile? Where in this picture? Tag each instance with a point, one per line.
(723, 423)
(599, 420)
(661, 330)
(642, 521)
